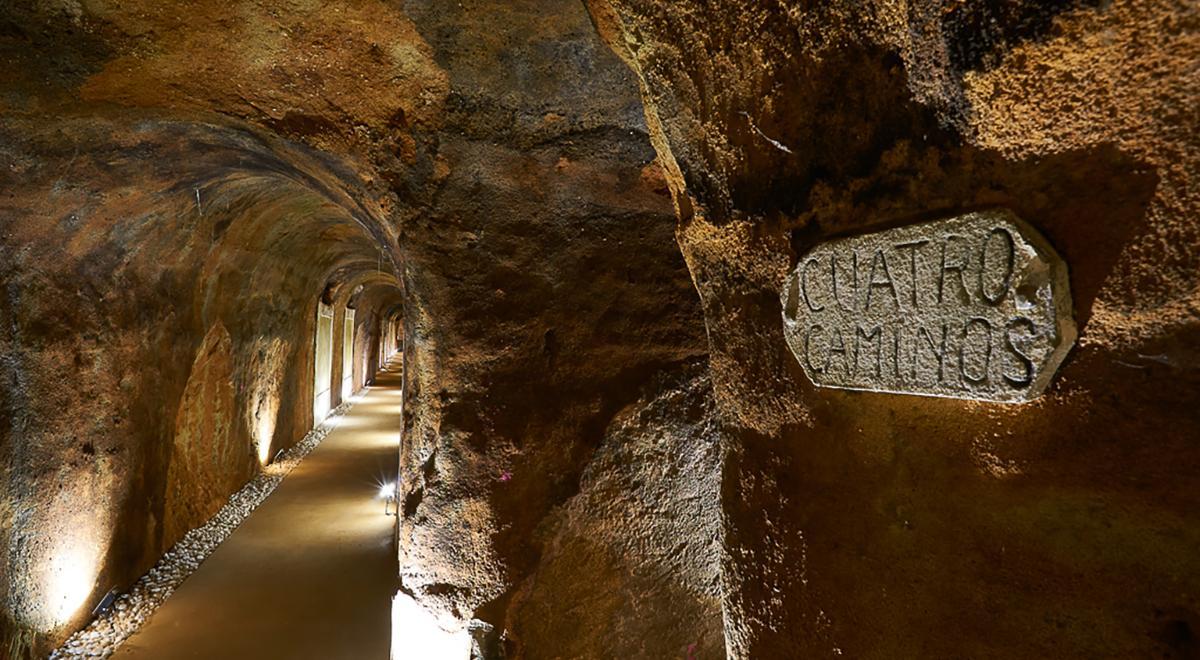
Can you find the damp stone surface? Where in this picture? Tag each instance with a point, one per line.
(976, 306)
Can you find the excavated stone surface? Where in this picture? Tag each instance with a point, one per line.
(870, 525)
(973, 307)
(487, 170)
(156, 341)
(180, 185)
(633, 560)
(542, 291)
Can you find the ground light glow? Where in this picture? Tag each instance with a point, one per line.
(66, 568)
(387, 493)
(416, 634)
(70, 579)
(264, 430)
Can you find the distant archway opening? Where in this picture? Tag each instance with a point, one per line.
(391, 336)
(348, 354)
(323, 363)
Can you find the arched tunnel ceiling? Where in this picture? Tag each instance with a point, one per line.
(144, 59)
(198, 182)
(233, 186)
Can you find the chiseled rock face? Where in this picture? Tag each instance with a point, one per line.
(870, 525)
(167, 173)
(209, 458)
(973, 307)
(543, 288)
(632, 561)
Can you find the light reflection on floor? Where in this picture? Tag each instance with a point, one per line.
(312, 571)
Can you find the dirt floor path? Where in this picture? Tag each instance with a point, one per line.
(311, 573)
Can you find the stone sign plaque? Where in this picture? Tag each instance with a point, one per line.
(972, 307)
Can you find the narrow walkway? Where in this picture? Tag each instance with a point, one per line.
(311, 573)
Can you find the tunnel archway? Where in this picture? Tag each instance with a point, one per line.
(347, 357)
(323, 363)
(199, 219)
(258, 225)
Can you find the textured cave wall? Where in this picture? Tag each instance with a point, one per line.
(366, 349)
(337, 368)
(156, 343)
(880, 526)
(631, 565)
(169, 219)
(542, 288)
(162, 249)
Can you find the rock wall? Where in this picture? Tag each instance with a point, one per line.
(157, 338)
(169, 219)
(209, 459)
(632, 561)
(875, 525)
(488, 171)
(543, 288)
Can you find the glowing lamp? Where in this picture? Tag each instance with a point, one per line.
(387, 493)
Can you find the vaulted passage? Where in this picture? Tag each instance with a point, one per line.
(729, 328)
(312, 571)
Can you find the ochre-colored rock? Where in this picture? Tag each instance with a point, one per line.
(879, 525)
(542, 292)
(578, 221)
(181, 185)
(632, 562)
(207, 462)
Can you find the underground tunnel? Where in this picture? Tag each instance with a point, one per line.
(600, 329)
